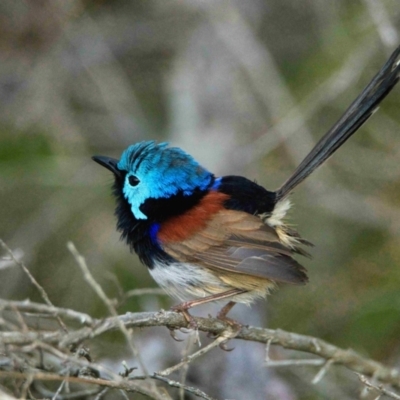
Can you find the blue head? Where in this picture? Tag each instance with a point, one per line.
(154, 171)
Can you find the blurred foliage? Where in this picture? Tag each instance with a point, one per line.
(247, 88)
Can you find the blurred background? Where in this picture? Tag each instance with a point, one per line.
(246, 87)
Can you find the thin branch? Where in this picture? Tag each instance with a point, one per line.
(38, 310)
(80, 260)
(101, 394)
(100, 292)
(184, 371)
(322, 372)
(295, 363)
(140, 292)
(145, 291)
(379, 388)
(23, 326)
(288, 340)
(348, 358)
(222, 338)
(9, 262)
(384, 26)
(127, 385)
(25, 386)
(190, 389)
(57, 393)
(293, 341)
(267, 350)
(35, 283)
(44, 392)
(123, 384)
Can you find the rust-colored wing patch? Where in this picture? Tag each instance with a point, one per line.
(240, 243)
(183, 226)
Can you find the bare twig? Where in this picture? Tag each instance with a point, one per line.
(140, 292)
(100, 292)
(379, 388)
(25, 386)
(225, 335)
(20, 320)
(184, 371)
(57, 393)
(123, 384)
(145, 291)
(35, 283)
(288, 340)
(295, 362)
(9, 262)
(67, 396)
(101, 394)
(384, 26)
(267, 350)
(195, 391)
(321, 373)
(41, 310)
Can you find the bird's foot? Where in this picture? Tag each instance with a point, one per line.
(192, 324)
(183, 309)
(233, 324)
(234, 329)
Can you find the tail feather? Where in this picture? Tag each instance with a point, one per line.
(355, 116)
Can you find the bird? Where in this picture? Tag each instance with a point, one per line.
(206, 238)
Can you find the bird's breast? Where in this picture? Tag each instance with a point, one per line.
(181, 227)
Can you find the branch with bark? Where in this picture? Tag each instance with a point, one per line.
(25, 342)
(61, 343)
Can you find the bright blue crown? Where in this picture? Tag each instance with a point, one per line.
(162, 172)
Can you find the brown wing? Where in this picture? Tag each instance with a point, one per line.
(235, 241)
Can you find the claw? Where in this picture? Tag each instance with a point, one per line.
(212, 335)
(222, 346)
(173, 335)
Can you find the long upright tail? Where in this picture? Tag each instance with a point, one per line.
(355, 116)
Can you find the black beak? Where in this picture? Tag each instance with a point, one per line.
(109, 163)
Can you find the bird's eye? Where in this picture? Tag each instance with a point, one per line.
(133, 180)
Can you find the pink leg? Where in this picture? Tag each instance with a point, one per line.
(185, 306)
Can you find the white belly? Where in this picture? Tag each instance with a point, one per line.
(186, 281)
